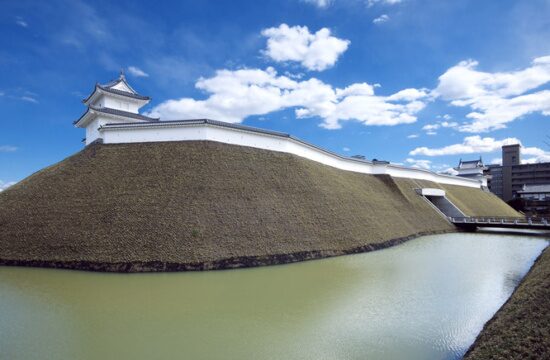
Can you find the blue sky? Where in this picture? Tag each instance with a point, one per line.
(417, 82)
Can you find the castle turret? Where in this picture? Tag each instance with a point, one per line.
(473, 169)
(112, 103)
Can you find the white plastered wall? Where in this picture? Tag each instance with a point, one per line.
(179, 132)
(118, 103)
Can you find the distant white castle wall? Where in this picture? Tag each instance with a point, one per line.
(208, 130)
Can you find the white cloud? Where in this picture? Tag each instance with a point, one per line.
(19, 21)
(137, 72)
(470, 145)
(381, 19)
(235, 95)
(326, 3)
(431, 128)
(410, 94)
(534, 160)
(412, 136)
(537, 155)
(496, 98)
(449, 171)
(385, 2)
(319, 3)
(317, 51)
(421, 164)
(447, 124)
(496, 161)
(346, 149)
(7, 148)
(476, 144)
(29, 99)
(5, 185)
(26, 95)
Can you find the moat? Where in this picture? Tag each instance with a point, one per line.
(425, 299)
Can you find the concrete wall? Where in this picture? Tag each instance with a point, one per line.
(445, 206)
(140, 133)
(507, 193)
(511, 155)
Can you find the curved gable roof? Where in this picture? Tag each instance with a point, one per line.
(121, 79)
(109, 88)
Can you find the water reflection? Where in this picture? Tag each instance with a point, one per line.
(426, 299)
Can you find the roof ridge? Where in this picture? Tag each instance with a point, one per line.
(111, 111)
(218, 123)
(121, 78)
(123, 93)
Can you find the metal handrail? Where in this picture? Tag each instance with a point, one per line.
(498, 220)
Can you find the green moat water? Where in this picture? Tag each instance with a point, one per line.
(425, 299)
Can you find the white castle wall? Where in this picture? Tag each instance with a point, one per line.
(136, 133)
(118, 103)
(93, 128)
(92, 132)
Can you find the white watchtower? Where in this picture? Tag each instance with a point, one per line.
(111, 103)
(473, 169)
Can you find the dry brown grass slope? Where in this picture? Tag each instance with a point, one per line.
(157, 206)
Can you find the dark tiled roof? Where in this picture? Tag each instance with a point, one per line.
(208, 121)
(111, 83)
(123, 113)
(471, 162)
(109, 88)
(118, 113)
(123, 93)
(120, 79)
(80, 118)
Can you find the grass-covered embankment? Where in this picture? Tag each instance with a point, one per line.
(205, 205)
(521, 328)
